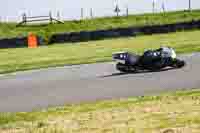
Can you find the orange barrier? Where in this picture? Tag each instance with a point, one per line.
(32, 41)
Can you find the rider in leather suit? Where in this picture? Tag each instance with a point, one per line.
(157, 57)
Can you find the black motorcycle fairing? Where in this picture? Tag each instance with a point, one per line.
(151, 59)
(132, 59)
(127, 57)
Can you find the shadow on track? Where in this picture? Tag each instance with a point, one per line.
(139, 72)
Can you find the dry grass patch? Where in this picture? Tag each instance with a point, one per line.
(169, 113)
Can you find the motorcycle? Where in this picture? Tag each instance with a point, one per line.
(153, 60)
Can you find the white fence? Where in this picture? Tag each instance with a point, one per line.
(79, 9)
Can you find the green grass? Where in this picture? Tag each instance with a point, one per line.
(90, 52)
(170, 110)
(10, 30)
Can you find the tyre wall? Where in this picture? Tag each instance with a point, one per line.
(102, 34)
(122, 32)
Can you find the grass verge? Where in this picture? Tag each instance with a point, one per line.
(176, 111)
(8, 30)
(19, 59)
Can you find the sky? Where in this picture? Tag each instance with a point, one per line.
(11, 10)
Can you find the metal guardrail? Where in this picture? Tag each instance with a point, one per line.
(26, 19)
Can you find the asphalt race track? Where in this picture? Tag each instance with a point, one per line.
(27, 91)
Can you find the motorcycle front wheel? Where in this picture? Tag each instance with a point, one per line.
(178, 63)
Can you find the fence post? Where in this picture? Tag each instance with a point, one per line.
(58, 15)
(50, 17)
(127, 11)
(117, 10)
(24, 18)
(81, 13)
(153, 5)
(91, 13)
(163, 7)
(189, 5)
